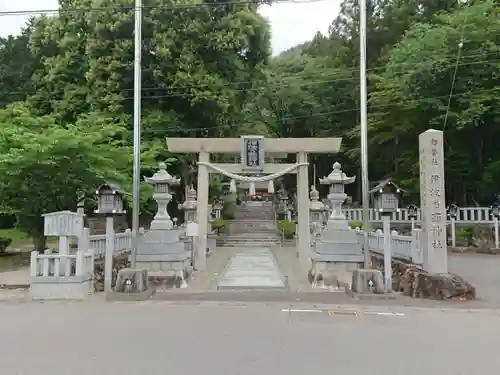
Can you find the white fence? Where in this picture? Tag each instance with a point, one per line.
(97, 242)
(403, 247)
(464, 215)
(70, 276)
(61, 276)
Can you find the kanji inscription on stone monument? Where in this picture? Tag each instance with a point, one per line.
(432, 201)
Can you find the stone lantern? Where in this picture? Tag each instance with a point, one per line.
(337, 250)
(160, 250)
(109, 200)
(162, 181)
(386, 197)
(316, 211)
(412, 214)
(217, 209)
(109, 203)
(337, 181)
(412, 211)
(495, 210)
(189, 206)
(452, 211)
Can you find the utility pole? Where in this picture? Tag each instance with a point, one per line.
(137, 129)
(364, 129)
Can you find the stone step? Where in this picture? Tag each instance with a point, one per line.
(257, 234)
(253, 230)
(248, 243)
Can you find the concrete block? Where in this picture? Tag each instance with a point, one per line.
(131, 285)
(365, 281)
(131, 297)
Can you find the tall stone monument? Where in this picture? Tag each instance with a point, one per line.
(337, 251)
(432, 201)
(160, 251)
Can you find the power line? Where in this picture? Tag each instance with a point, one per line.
(321, 114)
(459, 55)
(284, 83)
(148, 7)
(301, 84)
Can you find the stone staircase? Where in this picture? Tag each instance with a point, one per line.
(254, 226)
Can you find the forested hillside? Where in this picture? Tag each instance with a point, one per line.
(67, 89)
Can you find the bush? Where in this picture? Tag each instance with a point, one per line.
(228, 211)
(464, 237)
(218, 224)
(356, 224)
(287, 227)
(281, 215)
(4, 243)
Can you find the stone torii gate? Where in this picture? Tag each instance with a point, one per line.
(253, 149)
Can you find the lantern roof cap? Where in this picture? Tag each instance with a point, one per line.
(384, 184)
(337, 176)
(162, 176)
(115, 188)
(191, 194)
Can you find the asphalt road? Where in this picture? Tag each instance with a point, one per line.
(159, 338)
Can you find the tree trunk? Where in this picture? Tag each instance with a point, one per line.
(40, 242)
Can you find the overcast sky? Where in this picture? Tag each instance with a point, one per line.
(291, 23)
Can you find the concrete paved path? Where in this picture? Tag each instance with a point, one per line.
(17, 277)
(163, 338)
(254, 268)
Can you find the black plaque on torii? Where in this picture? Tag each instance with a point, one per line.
(252, 153)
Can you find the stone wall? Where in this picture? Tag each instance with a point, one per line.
(119, 262)
(414, 282)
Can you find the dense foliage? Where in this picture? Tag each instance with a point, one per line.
(207, 71)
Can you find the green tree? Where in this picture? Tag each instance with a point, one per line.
(457, 54)
(44, 167)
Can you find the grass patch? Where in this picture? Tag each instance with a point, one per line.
(23, 241)
(14, 261)
(19, 238)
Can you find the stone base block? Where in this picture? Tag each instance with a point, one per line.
(420, 284)
(141, 296)
(64, 288)
(131, 285)
(131, 280)
(492, 251)
(166, 267)
(367, 281)
(169, 281)
(174, 274)
(331, 274)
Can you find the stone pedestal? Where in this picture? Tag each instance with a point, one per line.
(336, 253)
(164, 255)
(131, 285)
(367, 281)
